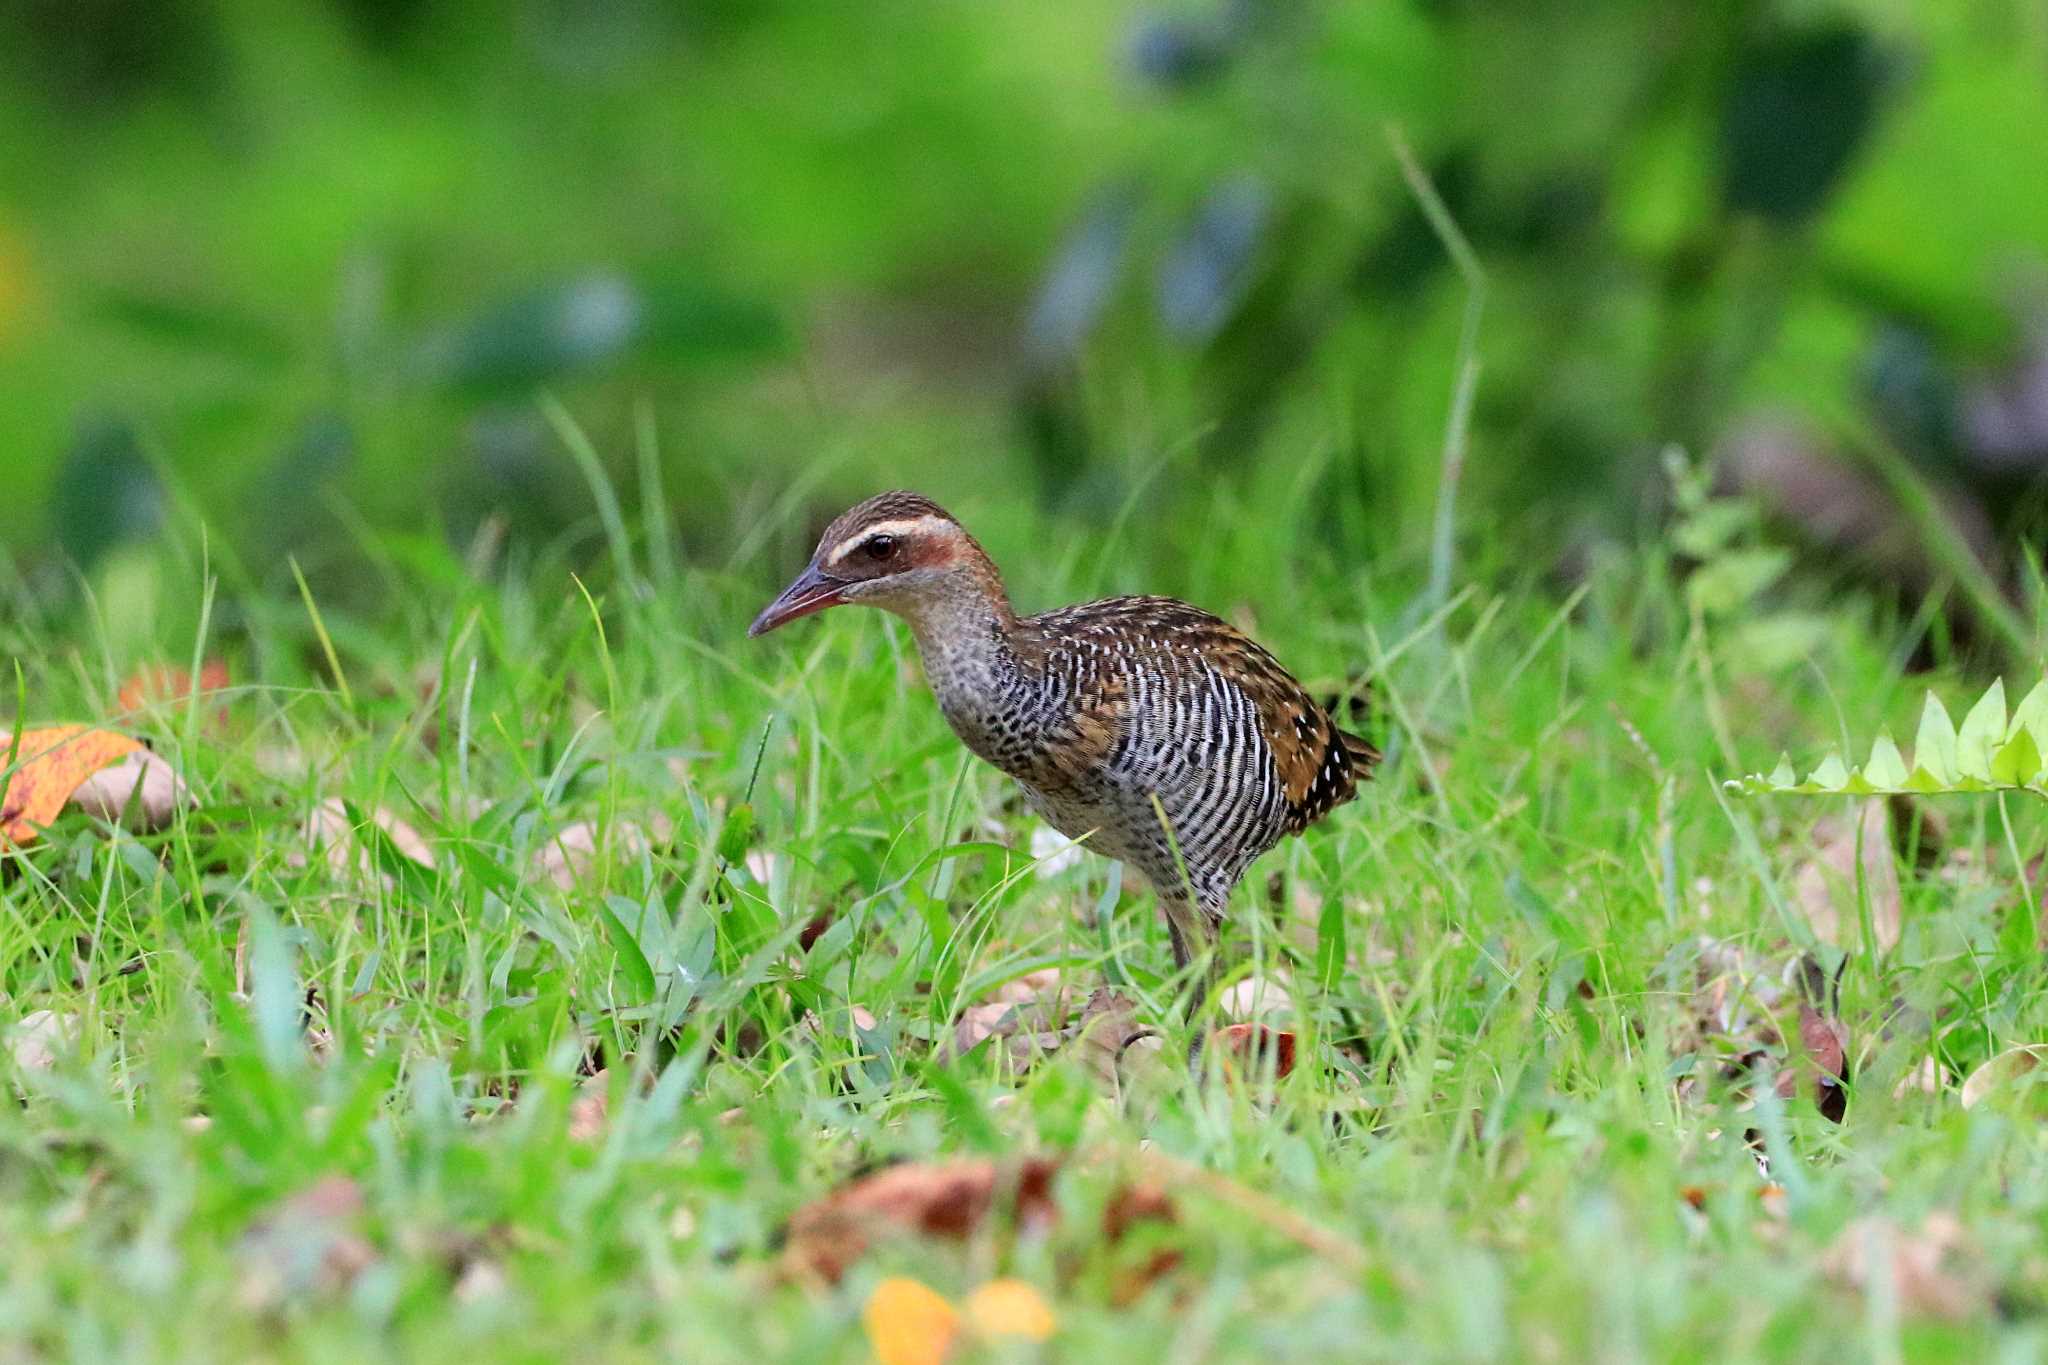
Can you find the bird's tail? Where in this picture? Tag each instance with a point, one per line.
(1364, 757)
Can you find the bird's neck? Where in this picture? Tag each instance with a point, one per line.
(983, 676)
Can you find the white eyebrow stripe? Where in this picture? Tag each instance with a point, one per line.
(902, 527)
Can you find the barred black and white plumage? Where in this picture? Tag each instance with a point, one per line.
(1110, 715)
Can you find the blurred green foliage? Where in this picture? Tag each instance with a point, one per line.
(302, 267)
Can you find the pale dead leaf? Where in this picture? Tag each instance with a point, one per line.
(141, 788)
(567, 859)
(1926, 1273)
(1826, 884)
(1928, 1078)
(40, 1038)
(591, 1108)
(1256, 998)
(329, 827)
(482, 1279)
(2004, 1072)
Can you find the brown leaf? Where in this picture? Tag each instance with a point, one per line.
(1826, 884)
(949, 1201)
(1926, 1273)
(51, 764)
(940, 1199)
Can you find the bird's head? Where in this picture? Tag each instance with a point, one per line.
(899, 551)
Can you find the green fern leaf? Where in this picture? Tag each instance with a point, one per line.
(1934, 748)
(1887, 766)
(1982, 733)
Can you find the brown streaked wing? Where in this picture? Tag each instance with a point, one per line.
(1318, 765)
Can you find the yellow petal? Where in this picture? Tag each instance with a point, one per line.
(1010, 1308)
(909, 1323)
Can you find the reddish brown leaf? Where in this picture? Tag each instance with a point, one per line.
(1252, 1048)
(949, 1201)
(941, 1199)
(163, 684)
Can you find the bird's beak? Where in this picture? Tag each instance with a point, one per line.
(812, 591)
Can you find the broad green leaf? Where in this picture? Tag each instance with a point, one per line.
(2031, 715)
(2018, 761)
(1934, 749)
(1887, 767)
(1831, 775)
(631, 959)
(1983, 731)
(1728, 581)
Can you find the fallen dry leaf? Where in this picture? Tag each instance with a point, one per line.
(909, 1323)
(1010, 1308)
(591, 1109)
(162, 685)
(1926, 1273)
(482, 1279)
(51, 765)
(329, 827)
(40, 1037)
(1928, 1078)
(1250, 1049)
(567, 859)
(1825, 1042)
(950, 1201)
(1826, 884)
(2008, 1070)
(1256, 998)
(1044, 1020)
(141, 788)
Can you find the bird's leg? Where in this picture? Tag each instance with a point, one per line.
(1193, 931)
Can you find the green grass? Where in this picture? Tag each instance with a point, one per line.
(1526, 897)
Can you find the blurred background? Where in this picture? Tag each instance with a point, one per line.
(308, 271)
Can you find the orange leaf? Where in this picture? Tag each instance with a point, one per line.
(1255, 1046)
(52, 763)
(163, 684)
(1010, 1308)
(909, 1323)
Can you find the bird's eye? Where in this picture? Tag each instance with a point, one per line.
(879, 548)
